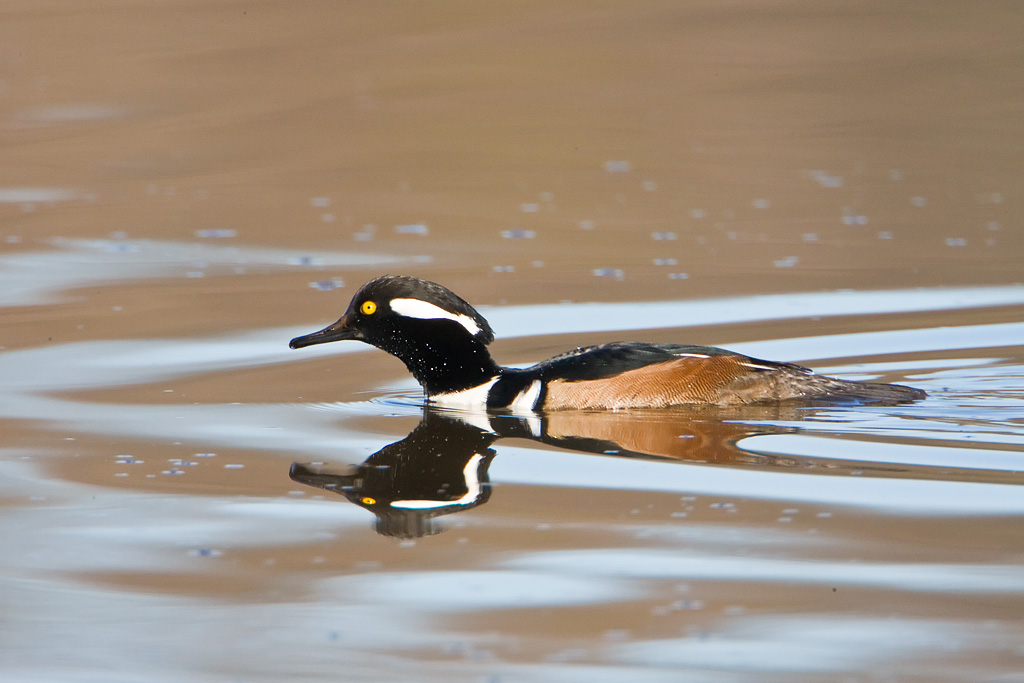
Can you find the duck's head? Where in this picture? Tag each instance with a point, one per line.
(440, 337)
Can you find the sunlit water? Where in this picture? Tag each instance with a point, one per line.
(711, 515)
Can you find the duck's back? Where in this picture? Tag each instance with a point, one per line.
(646, 375)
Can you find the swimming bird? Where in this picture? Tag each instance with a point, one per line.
(443, 342)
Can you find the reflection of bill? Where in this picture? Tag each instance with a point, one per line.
(441, 467)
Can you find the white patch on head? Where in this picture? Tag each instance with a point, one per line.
(417, 308)
(472, 477)
(525, 401)
(473, 398)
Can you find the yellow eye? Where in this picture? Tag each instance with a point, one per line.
(368, 308)
(366, 500)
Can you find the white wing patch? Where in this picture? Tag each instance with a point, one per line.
(472, 478)
(417, 308)
(692, 355)
(523, 403)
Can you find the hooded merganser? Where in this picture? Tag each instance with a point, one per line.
(443, 341)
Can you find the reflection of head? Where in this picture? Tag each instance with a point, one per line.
(434, 490)
(440, 468)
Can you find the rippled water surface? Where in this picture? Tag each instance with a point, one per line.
(184, 188)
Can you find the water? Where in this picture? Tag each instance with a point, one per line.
(742, 543)
(185, 498)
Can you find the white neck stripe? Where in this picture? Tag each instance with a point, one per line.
(417, 308)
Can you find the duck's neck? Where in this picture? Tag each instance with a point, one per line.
(444, 363)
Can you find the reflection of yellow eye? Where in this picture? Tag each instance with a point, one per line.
(368, 308)
(366, 500)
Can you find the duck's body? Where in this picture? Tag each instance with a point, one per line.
(443, 341)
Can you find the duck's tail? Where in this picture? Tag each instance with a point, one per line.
(820, 388)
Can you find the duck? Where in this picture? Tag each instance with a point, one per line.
(443, 341)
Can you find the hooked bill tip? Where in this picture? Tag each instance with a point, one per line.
(307, 340)
(339, 331)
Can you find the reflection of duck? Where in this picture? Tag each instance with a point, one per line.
(441, 467)
(443, 341)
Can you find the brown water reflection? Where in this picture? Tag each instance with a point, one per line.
(184, 186)
(441, 467)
